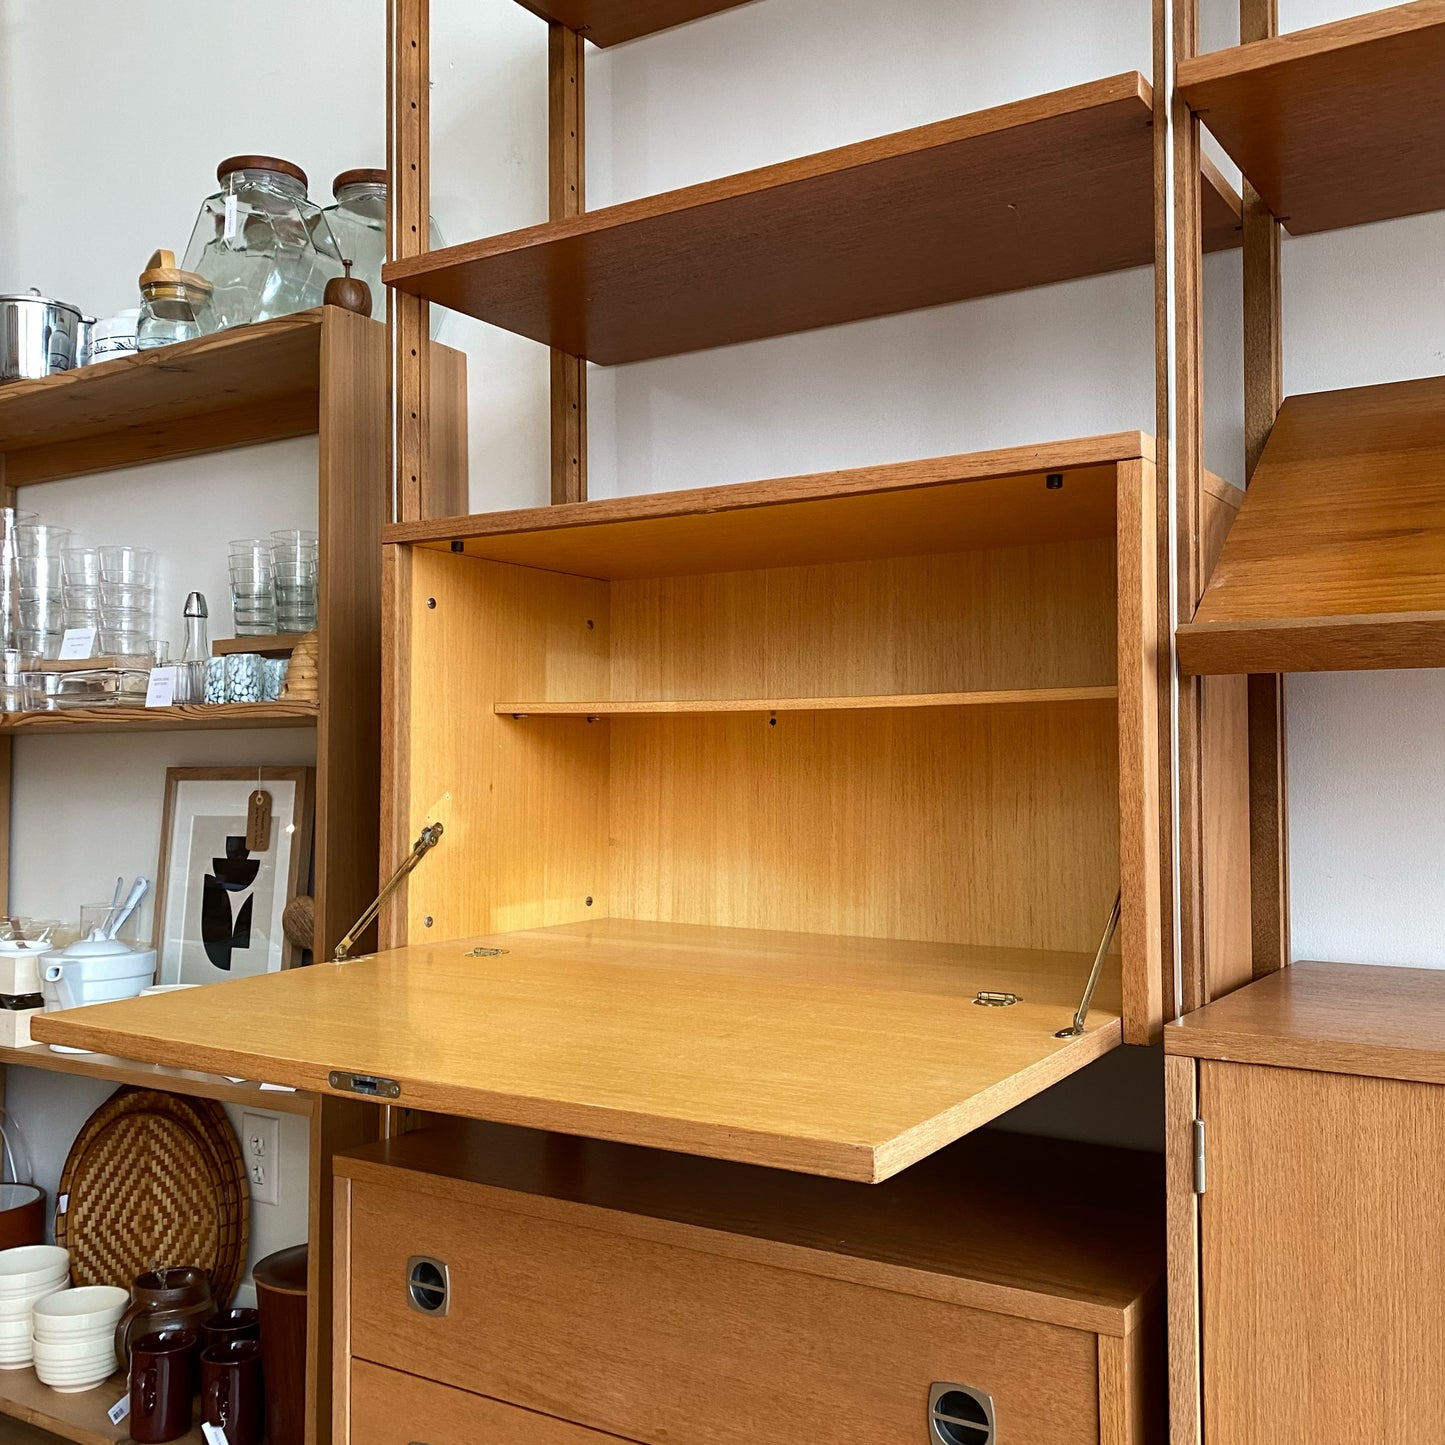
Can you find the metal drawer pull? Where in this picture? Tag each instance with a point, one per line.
(959, 1415)
(428, 1285)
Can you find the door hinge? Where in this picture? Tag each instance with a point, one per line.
(1199, 1156)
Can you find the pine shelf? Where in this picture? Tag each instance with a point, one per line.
(186, 717)
(1336, 125)
(639, 707)
(611, 22)
(1048, 189)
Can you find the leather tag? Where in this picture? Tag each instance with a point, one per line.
(258, 821)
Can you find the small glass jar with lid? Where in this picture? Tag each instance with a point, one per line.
(266, 249)
(175, 304)
(358, 223)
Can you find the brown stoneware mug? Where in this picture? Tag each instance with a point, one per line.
(161, 1372)
(231, 1391)
(231, 1325)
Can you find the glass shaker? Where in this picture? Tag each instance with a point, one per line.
(261, 243)
(175, 304)
(191, 672)
(358, 223)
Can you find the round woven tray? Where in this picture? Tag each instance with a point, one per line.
(155, 1180)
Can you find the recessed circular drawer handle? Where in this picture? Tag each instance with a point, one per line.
(959, 1415)
(428, 1285)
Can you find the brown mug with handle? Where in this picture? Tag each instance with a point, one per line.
(161, 1374)
(231, 1392)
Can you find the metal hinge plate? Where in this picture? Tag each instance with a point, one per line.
(368, 1085)
(1199, 1181)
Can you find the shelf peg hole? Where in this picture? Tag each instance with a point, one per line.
(427, 921)
(431, 604)
(589, 900)
(1054, 481)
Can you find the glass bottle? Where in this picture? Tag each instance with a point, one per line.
(358, 224)
(191, 673)
(175, 304)
(266, 249)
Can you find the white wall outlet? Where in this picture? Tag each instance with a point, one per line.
(261, 1149)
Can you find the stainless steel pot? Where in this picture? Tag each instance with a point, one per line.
(38, 337)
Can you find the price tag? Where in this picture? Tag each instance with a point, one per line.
(214, 1434)
(77, 644)
(161, 689)
(119, 1410)
(232, 219)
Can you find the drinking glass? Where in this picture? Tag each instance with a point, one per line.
(133, 565)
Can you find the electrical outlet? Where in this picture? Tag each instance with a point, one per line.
(261, 1148)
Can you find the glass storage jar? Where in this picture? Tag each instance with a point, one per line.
(175, 304)
(358, 223)
(266, 249)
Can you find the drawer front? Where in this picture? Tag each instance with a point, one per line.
(388, 1408)
(660, 1344)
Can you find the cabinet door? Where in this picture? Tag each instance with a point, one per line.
(1323, 1238)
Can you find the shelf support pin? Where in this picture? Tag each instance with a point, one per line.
(1077, 1027)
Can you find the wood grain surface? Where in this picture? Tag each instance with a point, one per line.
(612, 22)
(1337, 559)
(1181, 1108)
(853, 1058)
(1335, 1017)
(184, 717)
(1323, 1291)
(1335, 125)
(1018, 697)
(1046, 189)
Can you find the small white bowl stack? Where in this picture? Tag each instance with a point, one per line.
(27, 1276)
(74, 1337)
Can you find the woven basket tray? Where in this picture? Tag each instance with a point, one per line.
(155, 1180)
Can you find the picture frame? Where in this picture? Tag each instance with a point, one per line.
(218, 903)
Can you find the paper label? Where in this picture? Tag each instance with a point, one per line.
(119, 1410)
(214, 1434)
(62, 1205)
(161, 689)
(232, 219)
(77, 644)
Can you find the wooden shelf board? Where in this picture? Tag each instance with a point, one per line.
(184, 718)
(1339, 1018)
(1337, 557)
(612, 22)
(1338, 124)
(280, 644)
(1019, 697)
(77, 1418)
(249, 384)
(1048, 189)
(980, 499)
(850, 1057)
(156, 1076)
(982, 1224)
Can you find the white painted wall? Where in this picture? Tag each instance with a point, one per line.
(79, 213)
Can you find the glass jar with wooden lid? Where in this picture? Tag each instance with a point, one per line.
(175, 304)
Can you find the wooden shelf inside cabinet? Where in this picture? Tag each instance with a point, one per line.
(1042, 190)
(276, 645)
(183, 718)
(80, 1419)
(1017, 697)
(612, 22)
(155, 1076)
(1337, 558)
(249, 384)
(1335, 1018)
(857, 1058)
(1336, 125)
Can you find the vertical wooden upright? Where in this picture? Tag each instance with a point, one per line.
(1263, 393)
(566, 196)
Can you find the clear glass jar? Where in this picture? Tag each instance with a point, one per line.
(175, 304)
(261, 243)
(358, 224)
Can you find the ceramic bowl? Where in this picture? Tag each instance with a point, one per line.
(54, 1332)
(72, 1352)
(14, 1331)
(19, 1307)
(66, 1383)
(31, 1265)
(83, 1310)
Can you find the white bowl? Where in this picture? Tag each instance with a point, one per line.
(30, 1265)
(52, 1332)
(12, 1331)
(84, 1309)
(19, 1307)
(32, 1283)
(76, 1384)
(73, 1352)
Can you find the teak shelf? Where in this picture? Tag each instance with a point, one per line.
(79, 1419)
(1018, 697)
(1047, 189)
(611, 22)
(1337, 558)
(184, 717)
(1336, 125)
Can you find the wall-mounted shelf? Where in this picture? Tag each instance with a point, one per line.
(1047, 189)
(1336, 125)
(1337, 557)
(221, 717)
(638, 707)
(250, 384)
(611, 22)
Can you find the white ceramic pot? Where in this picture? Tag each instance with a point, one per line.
(96, 971)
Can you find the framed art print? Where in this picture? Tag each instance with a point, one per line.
(235, 849)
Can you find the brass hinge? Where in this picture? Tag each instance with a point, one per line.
(1199, 1156)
